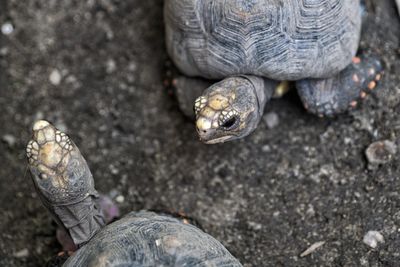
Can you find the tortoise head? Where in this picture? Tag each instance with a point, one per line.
(227, 111)
(58, 170)
(64, 182)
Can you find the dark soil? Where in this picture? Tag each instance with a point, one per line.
(267, 197)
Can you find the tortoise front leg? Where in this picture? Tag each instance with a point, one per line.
(328, 97)
(187, 90)
(64, 182)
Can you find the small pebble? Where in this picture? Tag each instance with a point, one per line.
(120, 199)
(23, 253)
(113, 193)
(381, 152)
(114, 170)
(9, 139)
(266, 148)
(312, 248)
(271, 119)
(347, 141)
(7, 28)
(111, 66)
(55, 77)
(39, 249)
(254, 225)
(372, 238)
(132, 66)
(4, 51)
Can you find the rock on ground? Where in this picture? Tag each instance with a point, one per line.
(381, 152)
(373, 238)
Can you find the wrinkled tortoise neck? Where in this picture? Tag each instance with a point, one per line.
(64, 182)
(263, 88)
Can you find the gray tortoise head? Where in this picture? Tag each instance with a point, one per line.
(65, 184)
(228, 111)
(270, 39)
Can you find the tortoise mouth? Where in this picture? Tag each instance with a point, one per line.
(217, 140)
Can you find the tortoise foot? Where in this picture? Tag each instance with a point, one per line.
(59, 259)
(328, 97)
(65, 240)
(186, 89)
(109, 209)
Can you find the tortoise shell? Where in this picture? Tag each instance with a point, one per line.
(276, 39)
(148, 239)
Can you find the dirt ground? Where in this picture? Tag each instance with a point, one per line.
(95, 69)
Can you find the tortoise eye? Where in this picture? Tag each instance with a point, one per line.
(231, 123)
(229, 120)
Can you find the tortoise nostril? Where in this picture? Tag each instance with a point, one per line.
(204, 131)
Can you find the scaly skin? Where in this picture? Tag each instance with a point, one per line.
(64, 182)
(232, 108)
(329, 97)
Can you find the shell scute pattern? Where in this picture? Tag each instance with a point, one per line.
(147, 239)
(282, 40)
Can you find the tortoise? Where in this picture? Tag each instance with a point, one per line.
(66, 187)
(231, 53)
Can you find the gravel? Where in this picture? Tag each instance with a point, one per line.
(23, 253)
(381, 152)
(7, 28)
(55, 77)
(312, 248)
(373, 238)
